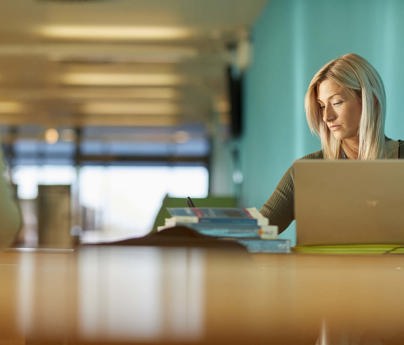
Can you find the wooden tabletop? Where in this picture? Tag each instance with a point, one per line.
(152, 295)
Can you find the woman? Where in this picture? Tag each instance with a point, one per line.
(345, 106)
(10, 216)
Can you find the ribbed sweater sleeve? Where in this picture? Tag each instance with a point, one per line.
(279, 208)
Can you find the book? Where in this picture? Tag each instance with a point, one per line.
(227, 229)
(241, 225)
(277, 245)
(226, 215)
(255, 239)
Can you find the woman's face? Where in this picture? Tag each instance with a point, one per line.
(341, 109)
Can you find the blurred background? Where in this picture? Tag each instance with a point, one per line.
(109, 106)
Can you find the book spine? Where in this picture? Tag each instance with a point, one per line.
(228, 233)
(266, 246)
(184, 219)
(235, 226)
(230, 230)
(233, 221)
(219, 221)
(204, 212)
(221, 225)
(268, 232)
(218, 215)
(257, 214)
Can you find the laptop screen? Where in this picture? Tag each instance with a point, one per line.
(349, 202)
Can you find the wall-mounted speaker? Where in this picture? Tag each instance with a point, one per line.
(235, 94)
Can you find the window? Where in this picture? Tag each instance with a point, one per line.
(111, 202)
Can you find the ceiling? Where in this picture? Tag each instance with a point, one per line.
(139, 64)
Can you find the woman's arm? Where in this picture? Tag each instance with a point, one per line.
(279, 208)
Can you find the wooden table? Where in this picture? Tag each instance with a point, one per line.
(151, 295)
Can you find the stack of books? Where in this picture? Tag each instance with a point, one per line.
(244, 225)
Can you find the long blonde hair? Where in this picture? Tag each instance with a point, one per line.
(357, 75)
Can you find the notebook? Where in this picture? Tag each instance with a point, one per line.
(349, 202)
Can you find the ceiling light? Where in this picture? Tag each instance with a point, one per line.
(136, 93)
(79, 54)
(102, 93)
(181, 137)
(121, 79)
(68, 134)
(132, 121)
(114, 32)
(120, 108)
(51, 136)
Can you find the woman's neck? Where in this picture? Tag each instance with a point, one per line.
(351, 148)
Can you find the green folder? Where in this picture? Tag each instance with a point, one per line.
(351, 249)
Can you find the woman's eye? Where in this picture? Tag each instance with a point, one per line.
(337, 103)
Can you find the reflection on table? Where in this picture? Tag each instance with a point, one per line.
(152, 295)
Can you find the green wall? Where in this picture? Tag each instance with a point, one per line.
(292, 39)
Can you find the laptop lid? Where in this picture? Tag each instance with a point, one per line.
(349, 202)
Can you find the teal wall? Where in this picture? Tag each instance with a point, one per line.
(292, 39)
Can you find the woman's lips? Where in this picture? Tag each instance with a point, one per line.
(335, 127)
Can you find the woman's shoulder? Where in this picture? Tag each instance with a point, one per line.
(314, 155)
(394, 148)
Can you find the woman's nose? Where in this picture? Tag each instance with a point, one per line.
(328, 114)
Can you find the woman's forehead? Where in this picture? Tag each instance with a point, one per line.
(329, 87)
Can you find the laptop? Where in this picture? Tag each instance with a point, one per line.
(349, 202)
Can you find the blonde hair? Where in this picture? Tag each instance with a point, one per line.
(357, 75)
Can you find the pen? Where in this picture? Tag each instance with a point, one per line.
(190, 203)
